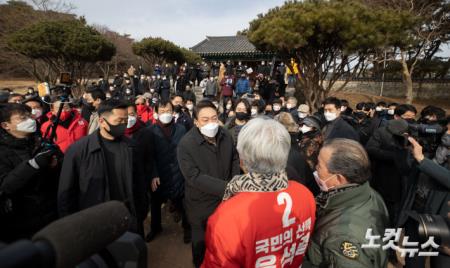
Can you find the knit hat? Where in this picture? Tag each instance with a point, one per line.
(397, 127)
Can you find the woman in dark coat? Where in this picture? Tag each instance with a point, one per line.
(297, 167)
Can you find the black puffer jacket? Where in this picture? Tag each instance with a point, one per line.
(166, 164)
(32, 192)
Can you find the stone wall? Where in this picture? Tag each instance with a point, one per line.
(424, 90)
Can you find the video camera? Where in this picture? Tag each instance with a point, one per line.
(63, 90)
(428, 135)
(432, 226)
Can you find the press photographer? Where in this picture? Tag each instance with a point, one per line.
(428, 193)
(28, 175)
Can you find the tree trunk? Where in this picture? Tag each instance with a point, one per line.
(407, 79)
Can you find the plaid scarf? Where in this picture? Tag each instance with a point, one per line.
(254, 182)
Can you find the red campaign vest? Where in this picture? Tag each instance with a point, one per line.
(269, 229)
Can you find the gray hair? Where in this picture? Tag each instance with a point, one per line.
(263, 146)
(349, 159)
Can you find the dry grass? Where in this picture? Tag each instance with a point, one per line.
(18, 85)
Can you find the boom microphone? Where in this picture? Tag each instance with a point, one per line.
(76, 237)
(70, 240)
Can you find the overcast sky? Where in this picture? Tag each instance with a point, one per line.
(184, 22)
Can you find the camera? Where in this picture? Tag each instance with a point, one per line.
(436, 226)
(428, 135)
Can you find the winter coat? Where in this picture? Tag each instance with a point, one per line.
(297, 167)
(341, 226)
(143, 138)
(93, 123)
(339, 128)
(84, 178)
(211, 88)
(67, 136)
(207, 169)
(166, 164)
(242, 86)
(164, 89)
(390, 165)
(227, 86)
(437, 181)
(145, 113)
(31, 192)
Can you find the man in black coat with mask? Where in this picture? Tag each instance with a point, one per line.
(103, 166)
(208, 160)
(28, 175)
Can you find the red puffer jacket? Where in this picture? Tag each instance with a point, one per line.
(145, 113)
(66, 136)
(261, 229)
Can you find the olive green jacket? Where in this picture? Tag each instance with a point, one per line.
(342, 221)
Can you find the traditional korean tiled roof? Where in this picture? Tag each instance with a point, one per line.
(225, 45)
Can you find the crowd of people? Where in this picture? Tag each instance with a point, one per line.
(255, 177)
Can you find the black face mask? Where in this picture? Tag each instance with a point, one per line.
(242, 116)
(177, 109)
(116, 131)
(410, 121)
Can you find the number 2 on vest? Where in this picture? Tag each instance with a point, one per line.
(285, 198)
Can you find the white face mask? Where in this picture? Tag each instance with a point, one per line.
(302, 115)
(217, 105)
(131, 121)
(289, 106)
(36, 113)
(379, 109)
(322, 183)
(343, 108)
(27, 126)
(276, 108)
(152, 90)
(391, 112)
(330, 116)
(254, 112)
(228, 106)
(165, 118)
(210, 130)
(190, 106)
(305, 129)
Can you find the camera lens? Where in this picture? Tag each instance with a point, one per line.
(436, 226)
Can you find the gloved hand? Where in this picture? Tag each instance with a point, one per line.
(42, 159)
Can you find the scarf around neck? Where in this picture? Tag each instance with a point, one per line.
(254, 182)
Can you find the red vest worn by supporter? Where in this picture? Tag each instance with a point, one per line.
(65, 137)
(261, 229)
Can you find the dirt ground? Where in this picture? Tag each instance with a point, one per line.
(168, 249)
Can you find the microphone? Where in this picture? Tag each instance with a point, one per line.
(76, 237)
